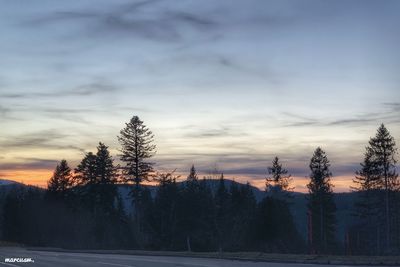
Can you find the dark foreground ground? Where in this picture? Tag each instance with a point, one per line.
(61, 258)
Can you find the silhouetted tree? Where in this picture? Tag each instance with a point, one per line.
(378, 184)
(136, 148)
(222, 218)
(189, 206)
(106, 178)
(367, 205)
(278, 184)
(165, 209)
(192, 174)
(85, 172)
(384, 149)
(96, 177)
(196, 214)
(61, 182)
(275, 229)
(321, 203)
(242, 211)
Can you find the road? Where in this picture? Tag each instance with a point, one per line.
(63, 259)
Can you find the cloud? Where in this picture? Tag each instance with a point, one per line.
(353, 121)
(92, 89)
(46, 139)
(394, 106)
(29, 164)
(88, 89)
(4, 111)
(301, 124)
(222, 131)
(247, 171)
(389, 114)
(141, 19)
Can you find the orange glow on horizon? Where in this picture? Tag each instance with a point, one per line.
(340, 183)
(40, 178)
(30, 177)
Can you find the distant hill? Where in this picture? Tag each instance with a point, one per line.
(7, 182)
(7, 186)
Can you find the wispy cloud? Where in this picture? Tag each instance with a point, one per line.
(389, 114)
(4, 111)
(222, 131)
(128, 20)
(46, 139)
(29, 164)
(89, 89)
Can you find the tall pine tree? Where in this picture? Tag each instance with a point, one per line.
(367, 205)
(136, 149)
(321, 204)
(378, 182)
(384, 149)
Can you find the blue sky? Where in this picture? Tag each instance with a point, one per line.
(221, 83)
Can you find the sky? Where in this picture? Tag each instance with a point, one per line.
(223, 85)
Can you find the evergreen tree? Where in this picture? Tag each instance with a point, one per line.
(192, 174)
(205, 236)
(165, 209)
(321, 203)
(367, 204)
(383, 147)
(222, 220)
(85, 172)
(275, 229)
(61, 181)
(106, 172)
(378, 184)
(106, 178)
(242, 212)
(96, 177)
(136, 148)
(189, 207)
(195, 215)
(279, 182)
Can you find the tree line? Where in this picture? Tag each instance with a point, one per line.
(84, 207)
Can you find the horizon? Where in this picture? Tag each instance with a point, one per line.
(269, 78)
(155, 184)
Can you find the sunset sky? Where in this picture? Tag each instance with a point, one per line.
(226, 84)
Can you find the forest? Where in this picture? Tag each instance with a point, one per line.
(83, 207)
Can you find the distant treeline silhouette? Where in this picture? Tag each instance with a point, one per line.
(82, 208)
